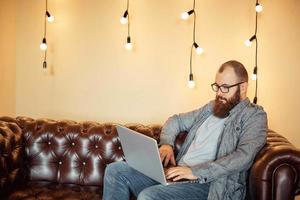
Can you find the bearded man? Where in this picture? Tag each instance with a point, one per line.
(223, 138)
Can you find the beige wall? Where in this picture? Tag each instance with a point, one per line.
(92, 77)
(8, 57)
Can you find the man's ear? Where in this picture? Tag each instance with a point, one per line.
(244, 87)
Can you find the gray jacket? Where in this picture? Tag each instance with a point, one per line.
(244, 134)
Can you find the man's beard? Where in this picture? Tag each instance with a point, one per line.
(221, 109)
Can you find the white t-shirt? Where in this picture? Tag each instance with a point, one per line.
(204, 145)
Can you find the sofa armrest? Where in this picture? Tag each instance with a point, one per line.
(275, 171)
(11, 153)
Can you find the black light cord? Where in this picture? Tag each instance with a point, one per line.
(256, 53)
(45, 19)
(194, 28)
(128, 25)
(191, 60)
(45, 32)
(194, 42)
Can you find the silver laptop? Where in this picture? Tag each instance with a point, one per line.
(141, 153)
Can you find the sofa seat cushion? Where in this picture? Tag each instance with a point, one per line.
(52, 191)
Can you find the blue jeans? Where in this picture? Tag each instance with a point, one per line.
(120, 180)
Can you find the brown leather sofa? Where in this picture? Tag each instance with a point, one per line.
(47, 159)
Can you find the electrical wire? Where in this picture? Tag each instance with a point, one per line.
(256, 54)
(45, 32)
(194, 41)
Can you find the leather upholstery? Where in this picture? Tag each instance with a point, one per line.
(275, 173)
(11, 153)
(49, 159)
(54, 191)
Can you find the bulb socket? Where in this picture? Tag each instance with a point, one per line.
(44, 65)
(125, 14)
(190, 12)
(252, 38)
(196, 45)
(255, 70)
(128, 39)
(255, 100)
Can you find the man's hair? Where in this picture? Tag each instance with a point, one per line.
(239, 69)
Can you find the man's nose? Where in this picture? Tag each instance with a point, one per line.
(219, 93)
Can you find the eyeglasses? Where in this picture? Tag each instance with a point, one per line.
(224, 88)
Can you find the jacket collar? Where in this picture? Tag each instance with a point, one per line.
(240, 106)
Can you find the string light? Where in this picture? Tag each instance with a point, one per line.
(248, 42)
(50, 17)
(186, 15)
(43, 46)
(128, 44)
(191, 83)
(254, 75)
(126, 20)
(44, 65)
(199, 50)
(258, 9)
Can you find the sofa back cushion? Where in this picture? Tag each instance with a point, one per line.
(69, 152)
(11, 154)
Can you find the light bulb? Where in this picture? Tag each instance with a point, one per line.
(191, 84)
(128, 45)
(51, 19)
(184, 15)
(43, 45)
(248, 43)
(123, 20)
(199, 50)
(258, 8)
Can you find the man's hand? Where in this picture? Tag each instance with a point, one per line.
(167, 155)
(177, 173)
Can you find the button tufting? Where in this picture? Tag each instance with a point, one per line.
(83, 163)
(119, 147)
(60, 162)
(83, 130)
(49, 142)
(96, 146)
(73, 144)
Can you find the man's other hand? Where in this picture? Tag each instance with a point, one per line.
(177, 173)
(167, 155)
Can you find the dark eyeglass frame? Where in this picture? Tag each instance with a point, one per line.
(224, 88)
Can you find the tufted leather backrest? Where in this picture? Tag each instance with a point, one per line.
(69, 152)
(11, 152)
